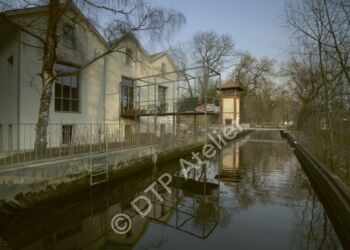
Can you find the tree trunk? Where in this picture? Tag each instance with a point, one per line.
(48, 76)
(44, 110)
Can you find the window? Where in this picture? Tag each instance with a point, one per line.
(163, 69)
(68, 36)
(67, 97)
(128, 57)
(10, 84)
(127, 94)
(67, 132)
(162, 98)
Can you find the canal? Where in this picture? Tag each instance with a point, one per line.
(252, 195)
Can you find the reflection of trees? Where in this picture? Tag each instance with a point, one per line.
(268, 174)
(207, 211)
(201, 204)
(258, 162)
(312, 228)
(71, 221)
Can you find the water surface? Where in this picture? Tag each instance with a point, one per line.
(254, 195)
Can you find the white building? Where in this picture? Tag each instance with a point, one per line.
(97, 95)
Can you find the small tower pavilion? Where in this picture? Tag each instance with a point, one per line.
(230, 102)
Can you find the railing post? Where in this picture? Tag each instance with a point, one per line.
(1, 139)
(90, 140)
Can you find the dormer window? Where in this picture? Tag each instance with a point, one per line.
(128, 57)
(68, 36)
(163, 68)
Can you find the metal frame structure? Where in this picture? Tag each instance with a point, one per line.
(184, 97)
(186, 213)
(181, 206)
(149, 104)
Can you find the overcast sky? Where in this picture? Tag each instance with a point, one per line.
(255, 25)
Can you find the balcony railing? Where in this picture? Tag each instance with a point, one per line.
(170, 107)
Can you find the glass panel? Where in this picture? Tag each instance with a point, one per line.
(66, 92)
(58, 90)
(66, 103)
(75, 88)
(162, 95)
(75, 105)
(58, 106)
(67, 88)
(124, 96)
(74, 81)
(127, 95)
(131, 98)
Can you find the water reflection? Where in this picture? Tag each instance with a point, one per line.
(253, 196)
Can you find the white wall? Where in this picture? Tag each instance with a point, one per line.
(99, 84)
(8, 95)
(143, 66)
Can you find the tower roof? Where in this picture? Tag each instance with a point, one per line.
(230, 84)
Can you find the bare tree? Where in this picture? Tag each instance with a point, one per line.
(124, 17)
(261, 93)
(213, 50)
(252, 73)
(319, 70)
(209, 50)
(181, 56)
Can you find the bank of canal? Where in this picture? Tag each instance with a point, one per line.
(259, 198)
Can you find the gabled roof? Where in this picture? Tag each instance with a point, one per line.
(230, 84)
(157, 55)
(151, 58)
(33, 10)
(44, 8)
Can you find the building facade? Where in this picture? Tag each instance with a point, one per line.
(97, 95)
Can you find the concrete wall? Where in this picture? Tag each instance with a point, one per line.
(50, 179)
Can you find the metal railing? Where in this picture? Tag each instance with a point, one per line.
(169, 106)
(17, 141)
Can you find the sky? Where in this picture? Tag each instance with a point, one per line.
(255, 25)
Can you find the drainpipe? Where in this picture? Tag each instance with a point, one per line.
(18, 90)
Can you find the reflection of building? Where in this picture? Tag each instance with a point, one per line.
(85, 222)
(230, 102)
(229, 158)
